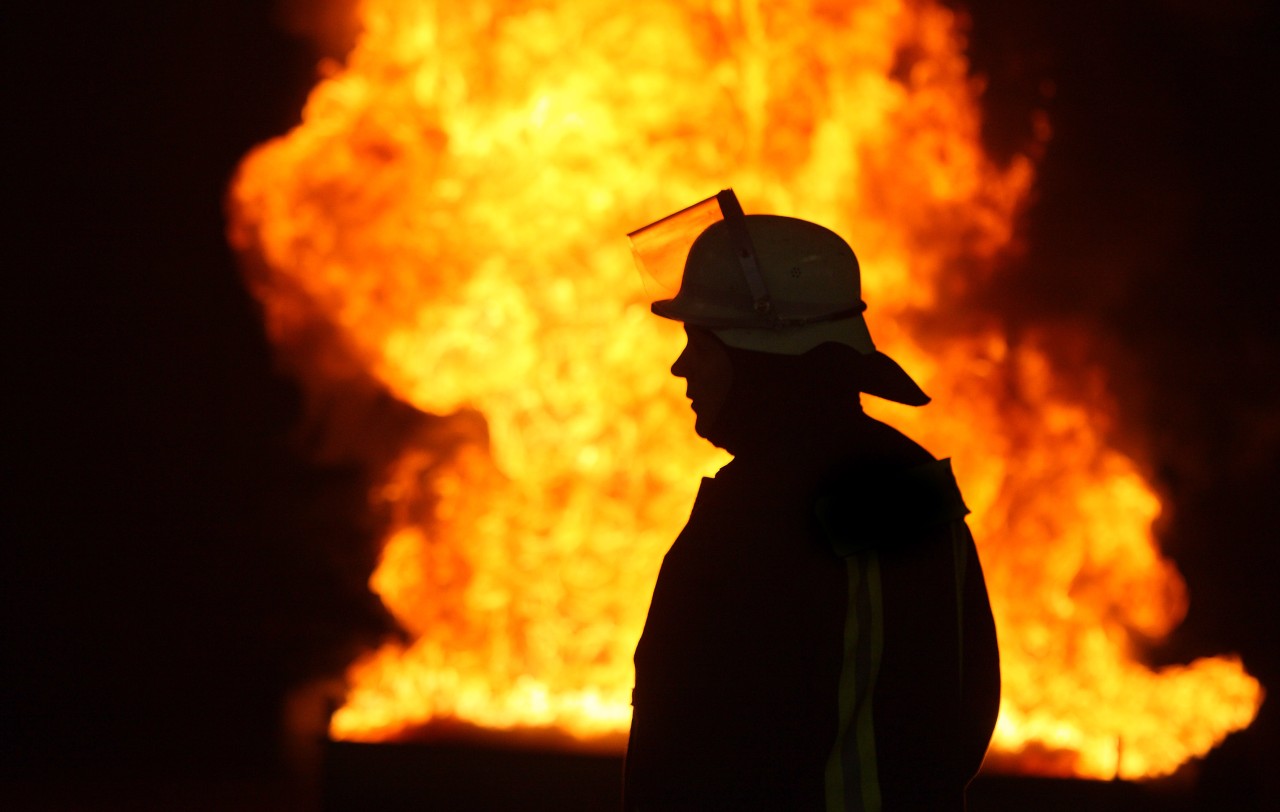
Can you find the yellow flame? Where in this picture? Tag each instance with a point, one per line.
(453, 205)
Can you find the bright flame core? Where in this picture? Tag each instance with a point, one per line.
(453, 206)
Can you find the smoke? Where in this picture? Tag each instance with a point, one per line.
(330, 25)
(1146, 248)
(1147, 258)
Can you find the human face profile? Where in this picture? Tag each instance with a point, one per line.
(705, 366)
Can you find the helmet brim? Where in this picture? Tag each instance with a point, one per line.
(881, 376)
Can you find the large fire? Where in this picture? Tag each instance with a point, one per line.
(453, 207)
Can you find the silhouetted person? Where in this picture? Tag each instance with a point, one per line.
(820, 635)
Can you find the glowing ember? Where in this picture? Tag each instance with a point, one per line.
(453, 207)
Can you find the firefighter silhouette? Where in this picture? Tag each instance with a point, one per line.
(820, 635)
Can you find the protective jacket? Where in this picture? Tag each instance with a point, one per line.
(819, 637)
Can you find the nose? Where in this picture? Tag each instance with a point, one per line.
(680, 368)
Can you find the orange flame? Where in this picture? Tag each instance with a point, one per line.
(453, 206)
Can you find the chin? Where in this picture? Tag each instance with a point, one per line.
(707, 431)
(701, 428)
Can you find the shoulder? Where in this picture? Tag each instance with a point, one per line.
(892, 488)
(884, 446)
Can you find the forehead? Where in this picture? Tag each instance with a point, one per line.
(700, 338)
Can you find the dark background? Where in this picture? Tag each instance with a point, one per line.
(172, 563)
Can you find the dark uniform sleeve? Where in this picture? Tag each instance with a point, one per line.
(733, 706)
(920, 687)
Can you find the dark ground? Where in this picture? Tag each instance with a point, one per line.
(172, 564)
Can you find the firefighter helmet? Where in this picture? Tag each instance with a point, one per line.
(763, 282)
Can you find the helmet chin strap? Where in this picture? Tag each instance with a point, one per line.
(736, 221)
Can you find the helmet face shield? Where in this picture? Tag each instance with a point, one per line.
(660, 248)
